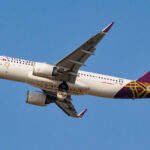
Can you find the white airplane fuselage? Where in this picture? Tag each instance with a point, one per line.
(60, 81)
(87, 83)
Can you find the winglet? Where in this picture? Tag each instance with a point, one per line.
(108, 27)
(80, 115)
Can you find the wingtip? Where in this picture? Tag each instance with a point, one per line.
(108, 27)
(80, 115)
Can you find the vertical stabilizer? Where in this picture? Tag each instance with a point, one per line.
(145, 78)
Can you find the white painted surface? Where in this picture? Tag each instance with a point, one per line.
(86, 82)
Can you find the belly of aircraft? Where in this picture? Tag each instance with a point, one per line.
(52, 85)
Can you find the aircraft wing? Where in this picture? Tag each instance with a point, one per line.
(69, 109)
(66, 106)
(71, 63)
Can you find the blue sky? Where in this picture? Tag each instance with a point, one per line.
(46, 31)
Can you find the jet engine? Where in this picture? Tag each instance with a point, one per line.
(38, 98)
(44, 70)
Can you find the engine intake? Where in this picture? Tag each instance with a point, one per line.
(44, 70)
(38, 98)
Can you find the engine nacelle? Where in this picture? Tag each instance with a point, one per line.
(36, 98)
(44, 70)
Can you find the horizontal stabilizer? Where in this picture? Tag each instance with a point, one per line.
(80, 115)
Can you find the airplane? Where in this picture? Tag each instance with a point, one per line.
(58, 82)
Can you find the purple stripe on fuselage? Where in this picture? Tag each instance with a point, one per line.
(143, 94)
(136, 90)
(125, 93)
(141, 84)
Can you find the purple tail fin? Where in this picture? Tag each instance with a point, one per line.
(145, 78)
